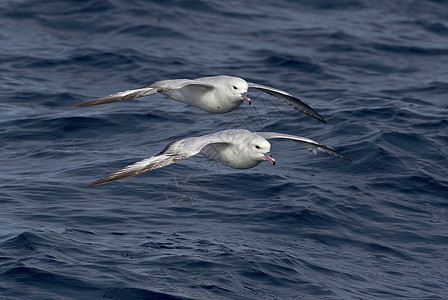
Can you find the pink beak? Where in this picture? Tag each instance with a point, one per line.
(270, 159)
(247, 99)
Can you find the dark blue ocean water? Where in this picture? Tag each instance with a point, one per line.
(312, 227)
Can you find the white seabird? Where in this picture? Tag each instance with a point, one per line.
(236, 148)
(215, 94)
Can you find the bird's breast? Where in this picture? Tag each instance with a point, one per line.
(229, 156)
(208, 101)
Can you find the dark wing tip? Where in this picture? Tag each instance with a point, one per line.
(98, 182)
(117, 175)
(345, 157)
(99, 101)
(93, 102)
(334, 152)
(293, 101)
(320, 118)
(339, 154)
(82, 104)
(308, 110)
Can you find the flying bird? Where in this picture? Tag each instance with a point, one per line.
(216, 94)
(236, 148)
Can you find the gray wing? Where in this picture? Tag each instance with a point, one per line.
(290, 99)
(311, 145)
(151, 89)
(172, 153)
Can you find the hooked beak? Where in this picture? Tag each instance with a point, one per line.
(269, 158)
(247, 99)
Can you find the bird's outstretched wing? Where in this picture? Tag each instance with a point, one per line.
(151, 89)
(311, 145)
(289, 99)
(118, 97)
(172, 153)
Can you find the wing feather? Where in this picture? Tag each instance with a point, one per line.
(293, 101)
(311, 145)
(151, 89)
(118, 97)
(172, 153)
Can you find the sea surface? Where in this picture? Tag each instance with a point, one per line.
(311, 227)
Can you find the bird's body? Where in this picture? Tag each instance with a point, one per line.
(214, 94)
(236, 148)
(236, 152)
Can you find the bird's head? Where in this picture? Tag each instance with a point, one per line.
(260, 148)
(238, 87)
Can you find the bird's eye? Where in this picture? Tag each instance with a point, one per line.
(258, 147)
(235, 88)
